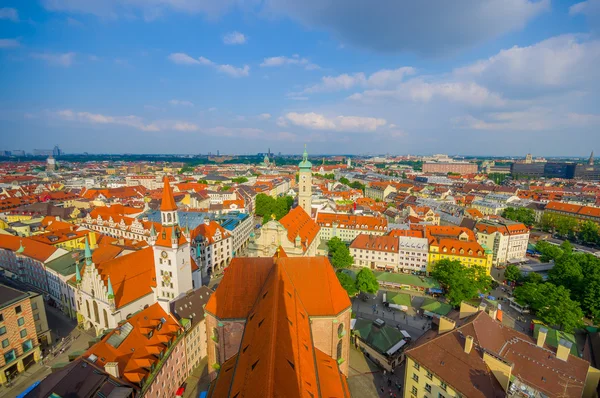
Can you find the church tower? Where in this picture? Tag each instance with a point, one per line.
(305, 183)
(591, 159)
(171, 253)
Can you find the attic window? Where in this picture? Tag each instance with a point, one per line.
(291, 364)
(254, 364)
(265, 295)
(290, 321)
(251, 316)
(236, 395)
(289, 294)
(245, 348)
(261, 322)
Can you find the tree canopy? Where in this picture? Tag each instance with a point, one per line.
(239, 180)
(267, 206)
(366, 281)
(520, 214)
(461, 282)
(552, 304)
(512, 273)
(339, 254)
(347, 283)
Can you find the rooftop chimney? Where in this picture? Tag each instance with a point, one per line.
(541, 339)
(446, 324)
(563, 350)
(468, 344)
(112, 368)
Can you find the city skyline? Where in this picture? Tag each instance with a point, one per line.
(189, 77)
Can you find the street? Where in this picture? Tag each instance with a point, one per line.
(66, 339)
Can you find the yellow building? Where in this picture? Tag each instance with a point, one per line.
(456, 243)
(477, 357)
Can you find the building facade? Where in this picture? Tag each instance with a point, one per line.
(18, 331)
(305, 184)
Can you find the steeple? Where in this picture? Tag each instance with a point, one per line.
(111, 293)
(88, 252)
(168, 201)
(21, 248)
(591, 160)
(168, 208)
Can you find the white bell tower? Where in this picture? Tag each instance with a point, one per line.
(171, 253)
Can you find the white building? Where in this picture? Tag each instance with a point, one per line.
(213, 246)
(507, 240)
(375, 252)
(413, 254)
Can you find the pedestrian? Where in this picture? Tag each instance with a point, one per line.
(382, 389)
(384, 372)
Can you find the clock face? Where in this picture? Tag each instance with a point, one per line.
(166, 278)
(304, 177)
(164, 254)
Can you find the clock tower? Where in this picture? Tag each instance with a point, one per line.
(171, 253)
(305, 183)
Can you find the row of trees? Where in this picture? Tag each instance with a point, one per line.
(355, 184)
(267, 206)
(570, 227)
(339, 255)
(572, 289)
(520, 214)
(365, 282)
(329, 176)
(459, 282)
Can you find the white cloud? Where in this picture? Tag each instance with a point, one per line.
(233, 71)
(57, 59)
(418, 90)
(9, 43)
(184, 126)
(235, 37)
(346, 82)
(183, 59)
(74, 22)
(9, 13)
(589, 8)
(264, 116)
(426, 27)
(176, 102)
(293, 60)
(338, 123)
(96, 118)
(559, 62)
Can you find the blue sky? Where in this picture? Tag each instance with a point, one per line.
(475, 77)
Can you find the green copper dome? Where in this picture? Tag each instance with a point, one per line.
(305, 164)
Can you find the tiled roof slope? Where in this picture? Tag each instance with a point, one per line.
(298, 223)
(277, 357)
(537, 367)
(36, 250)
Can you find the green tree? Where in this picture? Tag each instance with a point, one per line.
(521, 214)
(366, 281)
(404, 176)
(512, 273)
(357, 185)
(347, 283)
(552, 304)
(460, 282)
(339, 253)
(548, 251)
(345, 181)
(534, 277)
(591, 300)
(267, 206)
(203, 182)
(239, 180)
(588, 232)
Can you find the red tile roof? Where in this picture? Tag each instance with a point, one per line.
(168, 202)
(384, 243)
(298, 223)
(36, 250)
(140, 349)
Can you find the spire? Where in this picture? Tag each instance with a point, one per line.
(21, 248)
(591, 161)
(88, 252)
(152, 231)
(111, 293)
(305, 154)
(77, 273)
(168, 202)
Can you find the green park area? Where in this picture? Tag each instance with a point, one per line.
(406, 280)
(434, 306)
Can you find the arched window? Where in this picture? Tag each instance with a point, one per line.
(340, 346)
(87, 304)
(105, 319)
(341, 330)
(169, 217)
(96, 315)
